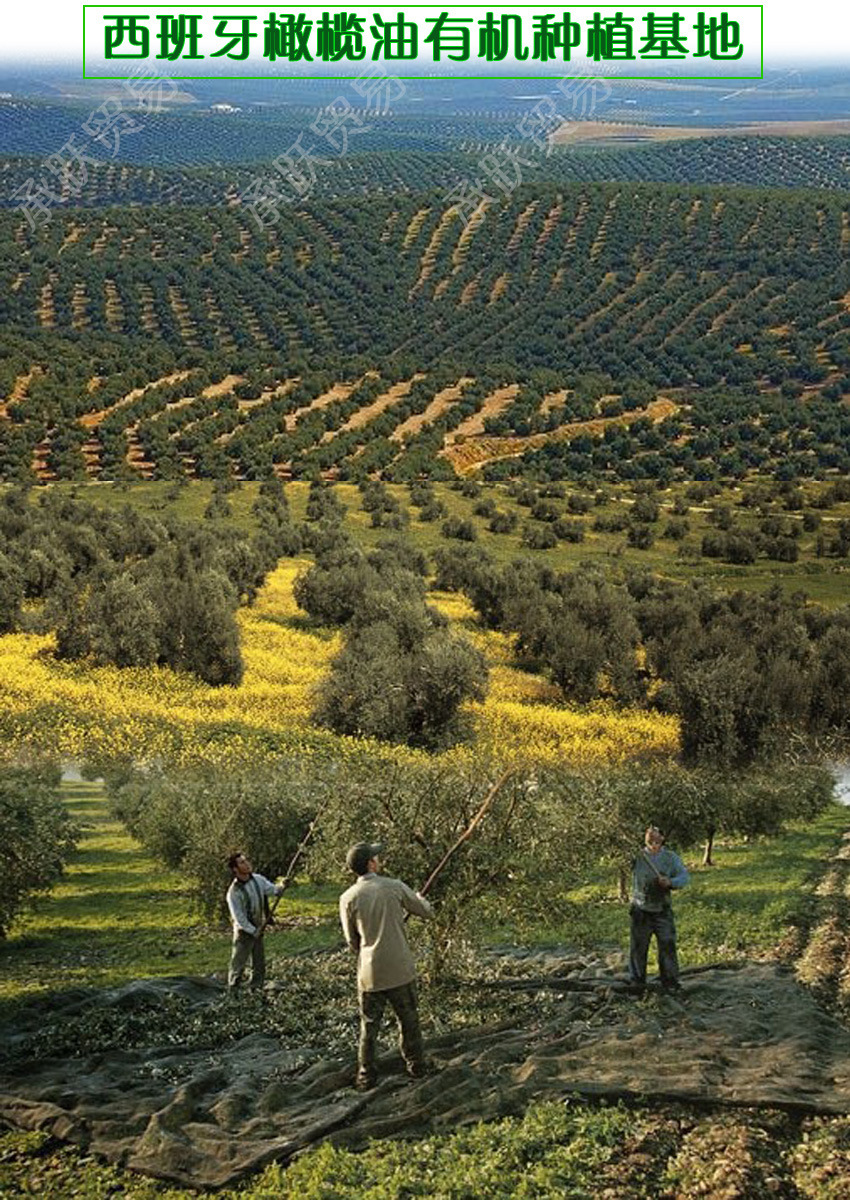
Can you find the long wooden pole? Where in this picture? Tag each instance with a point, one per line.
(290, 870)
(470, 829)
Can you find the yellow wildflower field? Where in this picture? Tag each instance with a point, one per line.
(85, 713)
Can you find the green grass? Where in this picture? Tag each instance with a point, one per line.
(117, 915)
(823, 580)
(740, 907)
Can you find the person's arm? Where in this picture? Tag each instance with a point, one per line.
(413, 902)
(267, 887)
(678, 876)
(349, 926)
(238, 911)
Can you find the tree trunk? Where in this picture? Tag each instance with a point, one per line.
(709, 847)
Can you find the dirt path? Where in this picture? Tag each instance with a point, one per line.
(823, 962)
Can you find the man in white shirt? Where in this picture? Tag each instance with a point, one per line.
(247, 900)
(372, 913)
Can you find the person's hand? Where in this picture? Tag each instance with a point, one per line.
(664, 882)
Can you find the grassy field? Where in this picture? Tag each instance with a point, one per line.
(824, 580)
(118, 916)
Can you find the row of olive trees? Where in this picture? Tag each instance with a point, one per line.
(36, 836)
(402, 674)
(122, 588)
(745, 673)
(538, 833)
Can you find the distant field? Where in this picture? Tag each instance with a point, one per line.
(602, 132)
(825, 580)
(366, 336)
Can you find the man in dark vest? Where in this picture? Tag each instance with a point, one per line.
(247, 900)
(657, 872)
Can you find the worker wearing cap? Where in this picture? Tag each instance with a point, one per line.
(657, 872)
(372, 913)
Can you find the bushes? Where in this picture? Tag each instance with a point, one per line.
(170, 613)
(401, 676)
(192, 820)
(36, 836)
(462, 529)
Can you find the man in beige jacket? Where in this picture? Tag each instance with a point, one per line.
(372, 913)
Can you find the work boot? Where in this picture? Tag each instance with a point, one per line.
(419, 1070)
(365, 1083)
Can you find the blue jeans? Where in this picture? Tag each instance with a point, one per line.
(643, 925)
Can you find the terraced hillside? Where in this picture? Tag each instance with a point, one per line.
(327, 341)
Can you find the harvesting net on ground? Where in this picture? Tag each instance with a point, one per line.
(739, 1035)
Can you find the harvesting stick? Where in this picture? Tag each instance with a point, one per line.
(290, 870)
(470, 829)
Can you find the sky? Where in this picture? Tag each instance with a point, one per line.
(818, 31)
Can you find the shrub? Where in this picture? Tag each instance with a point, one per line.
(569, 530)
(192, 820)
(401, 676)
(503, 521)
(36, 836)
(640, 537)
(458, 527)
(539, 537)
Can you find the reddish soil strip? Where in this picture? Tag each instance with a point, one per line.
(610, 131)
(79, 307)
(102, 238)
(416, 223)
(19, 390)
(499, 287)
(553, 400)
(575, 226)
(494, 403)
(73, 235)
(93, 419)
(339, 391)
(429, 256)
(552, 219)
(461, 250)
(364, 415)
(469, 291)
(39, 460)
(181, 311)
(45, 303)
(113, 307)
(136, 455)
(436, 407)
(146, 301)
(599, 240)
(521, 225)
(222, 387)
(280, 390)
(473, 454)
